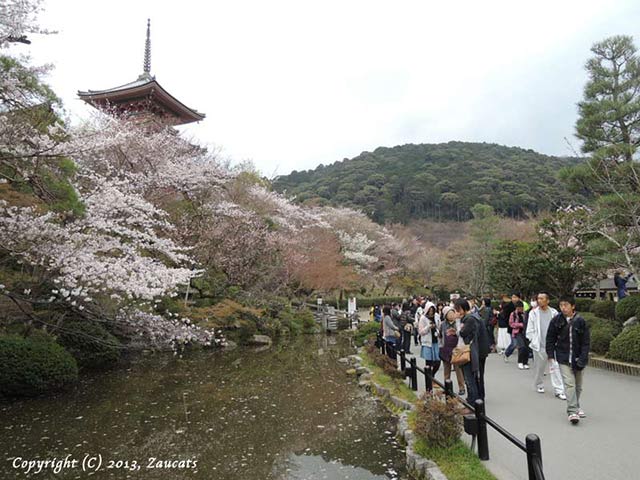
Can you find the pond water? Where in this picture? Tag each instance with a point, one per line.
(286, 413)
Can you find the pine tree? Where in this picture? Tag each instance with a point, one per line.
(609, 123)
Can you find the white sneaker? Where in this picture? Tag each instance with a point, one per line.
(540, 389)
(574, 418)
(561, 396)
(521, 366)
(581, 413)
(526, 367)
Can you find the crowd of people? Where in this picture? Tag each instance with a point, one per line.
(552, 340)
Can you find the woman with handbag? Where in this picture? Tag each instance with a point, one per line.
(429, 331)
(469, 354)
(449, 339)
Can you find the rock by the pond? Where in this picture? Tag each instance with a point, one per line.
(261, 340)
(351, 371)
(343, 360)
(631, 322)
(230, 345)
(362, 370)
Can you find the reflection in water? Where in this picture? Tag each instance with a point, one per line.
(287, 413)
(314, 467)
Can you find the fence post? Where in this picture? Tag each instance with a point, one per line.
(403, 362)
(448, 388)
(428, 378)
(414, 374)
(483, 441)
(534, 454)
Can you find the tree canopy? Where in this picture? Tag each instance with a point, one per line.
(435, 181)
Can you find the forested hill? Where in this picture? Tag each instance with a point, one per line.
(436, 181)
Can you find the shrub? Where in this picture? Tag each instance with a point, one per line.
(309, 324)
(626, 346)
(602, 333)
(295, 321)
(90, 344)
(388, 366)
(365, 331)
(627, 307)
(603, 309)
(584, 304)
(438, 421)
(32, 367)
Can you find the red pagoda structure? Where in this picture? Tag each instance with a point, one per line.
(143, 101)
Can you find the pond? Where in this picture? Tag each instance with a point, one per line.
(286, 413)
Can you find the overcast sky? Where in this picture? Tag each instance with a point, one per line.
(292, 84)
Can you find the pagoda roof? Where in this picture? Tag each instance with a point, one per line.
(146, 86)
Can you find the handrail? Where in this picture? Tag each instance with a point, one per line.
(532, 446)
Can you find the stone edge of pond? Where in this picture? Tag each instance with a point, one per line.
(418, 467)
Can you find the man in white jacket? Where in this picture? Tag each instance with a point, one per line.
(537, 326)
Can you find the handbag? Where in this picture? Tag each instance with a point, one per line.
(397, 334)
(461, 355)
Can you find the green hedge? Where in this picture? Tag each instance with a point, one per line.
(90, 343)
(371, 301)
(603, 309)
(627, 308)
(626, 346)
(602, 332)
(30, 367)
(584, 304)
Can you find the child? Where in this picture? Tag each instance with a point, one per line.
(568, 342)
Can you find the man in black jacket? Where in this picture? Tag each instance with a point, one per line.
(568, 341)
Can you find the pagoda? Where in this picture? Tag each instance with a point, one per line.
(143, 101)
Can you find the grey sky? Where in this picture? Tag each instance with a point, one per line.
(292, 84)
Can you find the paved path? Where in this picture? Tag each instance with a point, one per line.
(605, 445)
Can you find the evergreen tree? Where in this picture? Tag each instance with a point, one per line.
(609, 123)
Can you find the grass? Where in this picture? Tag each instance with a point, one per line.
(456, 462)
(396, 387)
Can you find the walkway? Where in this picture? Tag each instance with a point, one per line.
(603, 445)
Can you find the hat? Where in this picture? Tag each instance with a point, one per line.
(445, 311)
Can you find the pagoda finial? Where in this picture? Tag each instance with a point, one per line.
(147, 51)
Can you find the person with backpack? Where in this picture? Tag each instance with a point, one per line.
(568, 342)
(450, 339)
(390, 332)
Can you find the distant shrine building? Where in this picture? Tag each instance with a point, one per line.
(143, 101)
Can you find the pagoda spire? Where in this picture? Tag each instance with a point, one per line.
(146, 66)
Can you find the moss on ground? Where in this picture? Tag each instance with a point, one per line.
(397, 388)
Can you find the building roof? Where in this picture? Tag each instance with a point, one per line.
(145, 87)
(608, 285)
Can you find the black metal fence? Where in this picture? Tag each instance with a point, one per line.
(474, 424)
